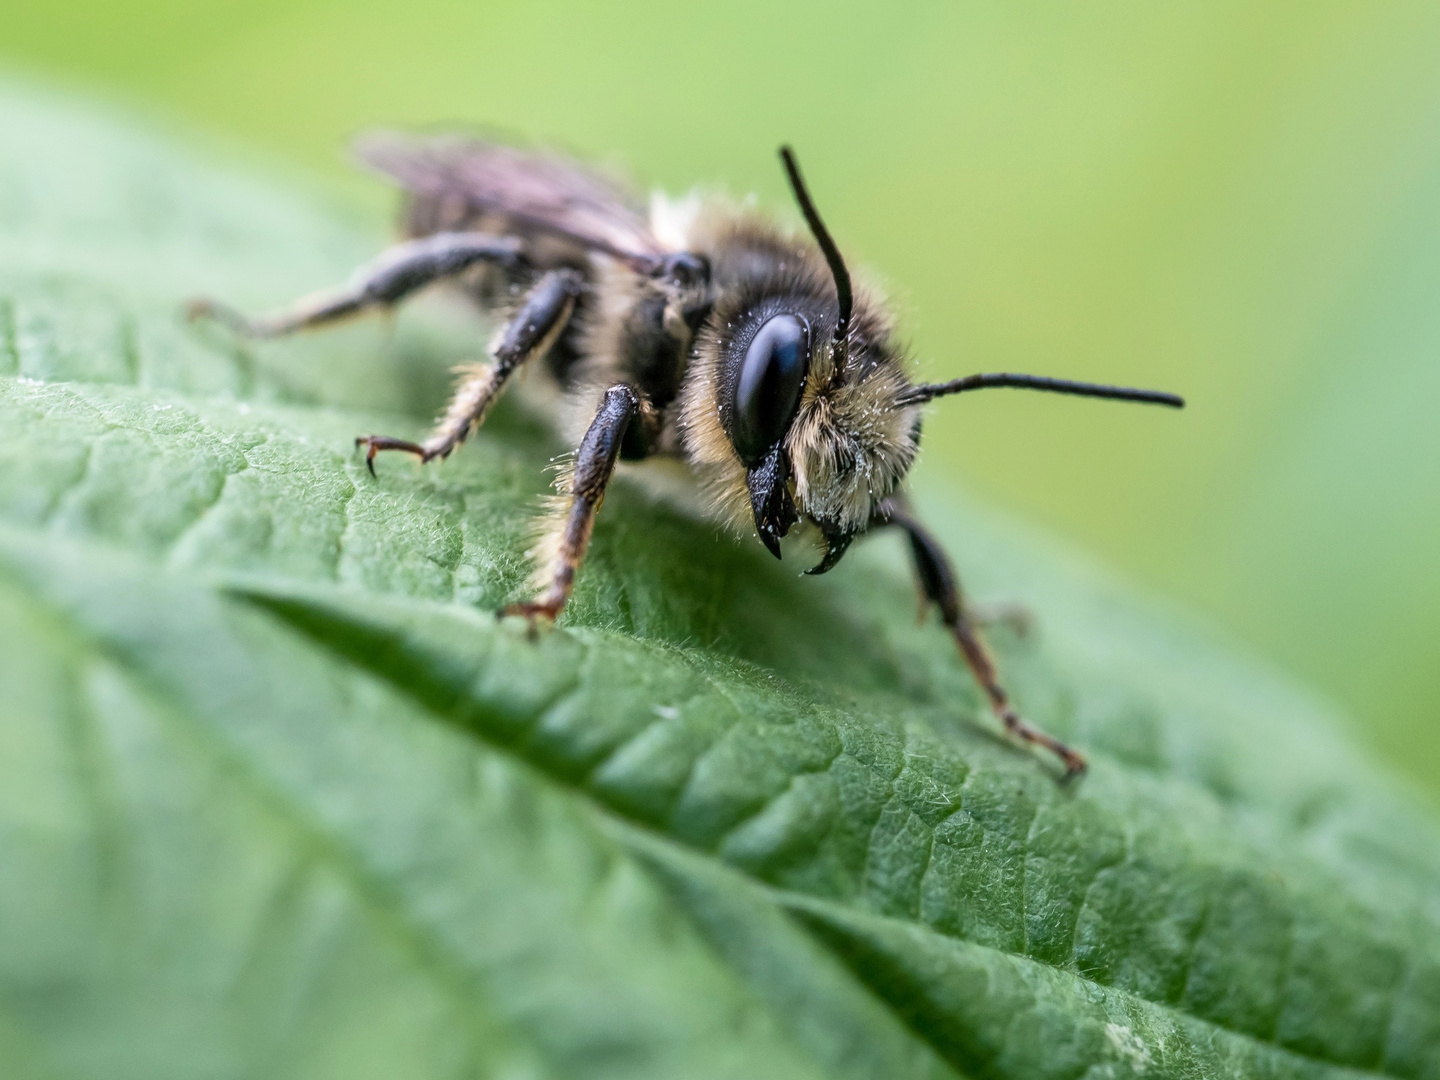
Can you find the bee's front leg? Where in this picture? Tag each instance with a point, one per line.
(939, 585)
(594, 465)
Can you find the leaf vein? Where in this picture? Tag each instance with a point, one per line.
(363, 662)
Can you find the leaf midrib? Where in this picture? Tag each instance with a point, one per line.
(786, 899)
(800, 687)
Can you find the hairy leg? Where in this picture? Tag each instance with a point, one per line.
(594, 464)
(541, 319)
(384, 281)
(939, 585)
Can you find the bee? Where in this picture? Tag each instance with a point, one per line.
(702, 331)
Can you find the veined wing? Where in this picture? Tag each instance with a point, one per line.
(540, 191)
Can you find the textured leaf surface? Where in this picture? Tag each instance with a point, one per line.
(279, 797)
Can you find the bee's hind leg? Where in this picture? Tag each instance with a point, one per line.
(939, 585)
(594, 465)
(382, 282)
(543, 316)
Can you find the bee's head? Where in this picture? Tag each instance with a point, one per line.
(820, 429)
(801, 407)
(801, 411)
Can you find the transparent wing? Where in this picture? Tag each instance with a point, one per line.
(536, 190)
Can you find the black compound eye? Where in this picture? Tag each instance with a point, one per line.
(768, 390)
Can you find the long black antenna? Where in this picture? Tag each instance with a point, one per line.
(929, 391)
(827, 245)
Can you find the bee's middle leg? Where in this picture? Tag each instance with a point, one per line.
(594, 465)
(542, 317)
(939, 585)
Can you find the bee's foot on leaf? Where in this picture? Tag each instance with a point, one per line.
(1075, 764)
(375, 443)
(533, 613)
(198, 307)
(1073, 760)
(1018, 617)
(202, 308)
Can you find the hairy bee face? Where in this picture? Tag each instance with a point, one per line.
(781, 427)
(851, 441)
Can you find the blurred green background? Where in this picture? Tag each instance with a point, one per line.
(1237, 201)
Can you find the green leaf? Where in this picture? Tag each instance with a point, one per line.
(278, 796)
